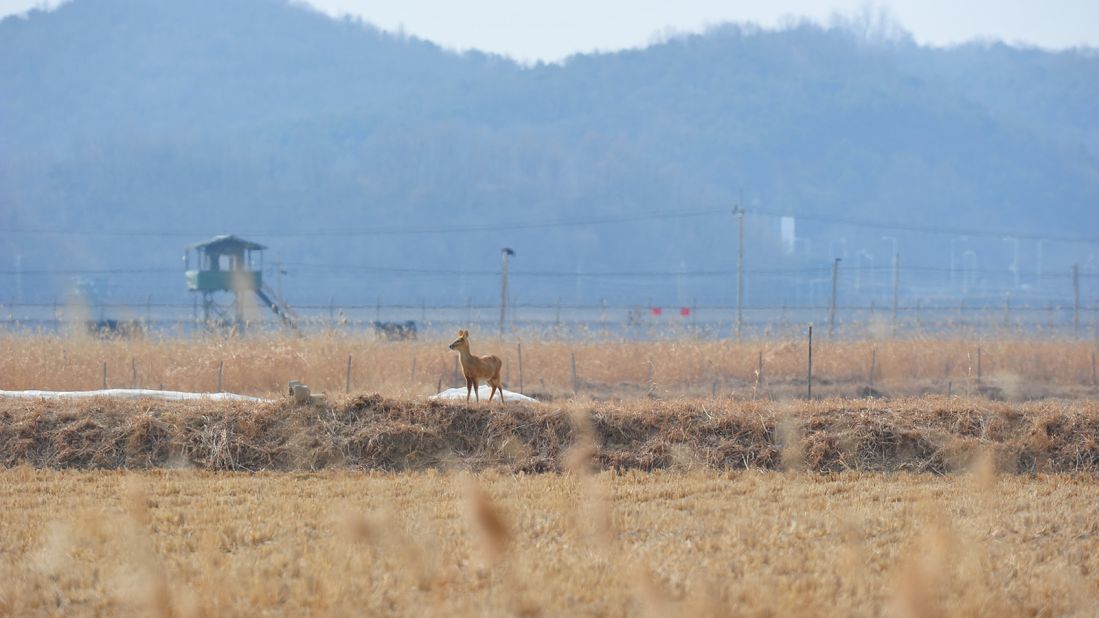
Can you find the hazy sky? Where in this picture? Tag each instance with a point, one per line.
(552, 29)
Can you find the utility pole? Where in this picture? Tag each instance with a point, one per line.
(504, 254)
(1013, 268)
(1041, 242)
(1076, 301)
(832, 310)
(280, 272)
(739, 212)
(19, 278)
(953, 260)
(809, 371)
(896, 287)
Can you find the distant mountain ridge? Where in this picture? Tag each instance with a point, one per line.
(263, 117)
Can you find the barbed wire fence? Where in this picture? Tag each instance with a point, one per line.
(601, 320)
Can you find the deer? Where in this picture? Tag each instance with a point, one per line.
(476, 368)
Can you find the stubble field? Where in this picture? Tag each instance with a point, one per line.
(426, 543)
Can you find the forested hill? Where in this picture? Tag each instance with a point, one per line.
(324, 138)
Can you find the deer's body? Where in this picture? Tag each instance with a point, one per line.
(477, 368)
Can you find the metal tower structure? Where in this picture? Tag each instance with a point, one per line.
(231, 265)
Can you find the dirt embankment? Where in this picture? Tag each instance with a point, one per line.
(371, 432)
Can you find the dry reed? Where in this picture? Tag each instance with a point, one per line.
(1010, 369)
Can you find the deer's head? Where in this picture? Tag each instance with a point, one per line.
(461, 342)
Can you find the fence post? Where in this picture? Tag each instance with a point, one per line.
(896, 288)
(652, 382)
(809, 393)
(413, 378)
(455, 382)
(759, 371)
(574, 384)
(347, 382)
(133, 372)
(520, 346)
(739, 211)
(832, 309)
(1076, 301)
(221, 366)
(873, 366)
(978, 366)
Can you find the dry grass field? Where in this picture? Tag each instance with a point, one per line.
(1012, 370)
(187, 543)
(674, 480)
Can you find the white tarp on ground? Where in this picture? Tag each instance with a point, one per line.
(128, 393)
(483, 390)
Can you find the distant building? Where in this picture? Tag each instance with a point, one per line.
(788, 233)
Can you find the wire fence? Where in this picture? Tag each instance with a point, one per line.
(570, 321)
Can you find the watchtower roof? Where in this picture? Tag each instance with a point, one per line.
(226, 243)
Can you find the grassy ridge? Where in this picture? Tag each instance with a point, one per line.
(935, 434)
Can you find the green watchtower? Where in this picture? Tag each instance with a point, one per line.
(232, 265)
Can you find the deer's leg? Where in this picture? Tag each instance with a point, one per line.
(469, 385)
(491, 392)
(476, 390)
(497, 384)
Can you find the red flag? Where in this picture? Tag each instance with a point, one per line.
(657, 311)
(684, 311)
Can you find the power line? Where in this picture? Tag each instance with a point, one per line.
(590, 221)
(926, 229)
(399, 231)
(671, 274)
(93, 271)
(548, 273)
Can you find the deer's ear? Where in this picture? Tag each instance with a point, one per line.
(465, 333)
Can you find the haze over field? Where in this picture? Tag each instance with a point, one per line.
(381, 165)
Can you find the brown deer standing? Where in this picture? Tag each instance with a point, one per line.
(478, 367)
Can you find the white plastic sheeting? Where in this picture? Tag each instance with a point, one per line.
(128, 393)
(483, 390)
